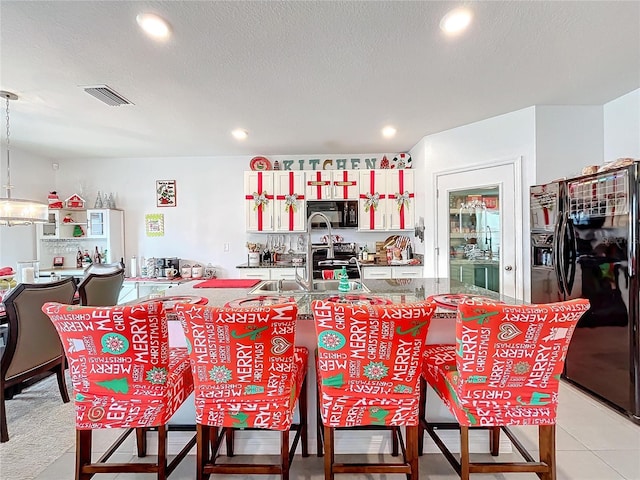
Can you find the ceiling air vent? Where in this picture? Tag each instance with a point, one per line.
(106, 94)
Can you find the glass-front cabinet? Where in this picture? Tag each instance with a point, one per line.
(474, 236)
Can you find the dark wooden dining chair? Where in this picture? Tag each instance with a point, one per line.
(368, 365)
(101, 285)
(33, 347)
(503, 370)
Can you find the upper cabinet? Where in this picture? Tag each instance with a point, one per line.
(290, 209)
(387, 200)
(332, 185)
(274, 201)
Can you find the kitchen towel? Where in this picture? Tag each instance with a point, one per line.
(228, 283)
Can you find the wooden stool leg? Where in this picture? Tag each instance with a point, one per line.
(4, 432)
(395, 444)
(494, 441)
(203, 449)
(83, 453)
(412, 452)
(302, 407)
(422, 416)
(464, 453)
(229, 434)
(319, 425)
(328, 453)
(547, 444)
(62, 382)
(284, 454)
(162, 452)
(141, 441)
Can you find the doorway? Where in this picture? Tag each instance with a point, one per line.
(477, 240)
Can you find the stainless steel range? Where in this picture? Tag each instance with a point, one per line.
(345, 256)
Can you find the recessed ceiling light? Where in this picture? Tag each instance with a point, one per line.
(456, 21)
(388, 132)
(240, 134)
(153, 25)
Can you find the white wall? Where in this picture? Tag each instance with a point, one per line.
(503, 137)
(31, 177)
(568, 138)
(622, 127)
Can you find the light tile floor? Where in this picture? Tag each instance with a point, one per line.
(593, 443)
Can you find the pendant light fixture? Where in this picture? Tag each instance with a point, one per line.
(14, 211)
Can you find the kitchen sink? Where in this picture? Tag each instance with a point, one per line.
(271, 286)
(291, 287)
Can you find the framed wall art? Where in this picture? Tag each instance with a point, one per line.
(166, 193)
(154, 224)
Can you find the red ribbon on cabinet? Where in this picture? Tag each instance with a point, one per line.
(319, 183)
(292, 201)
(260, 199)
(402, 195)
(369, 196)
(345, 183)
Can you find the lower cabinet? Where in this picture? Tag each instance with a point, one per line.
(257, 273)
(376, 273)
(407, 272)
(270, 273)
(483, 275)
(381, 273)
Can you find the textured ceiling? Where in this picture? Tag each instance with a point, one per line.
(302, 77)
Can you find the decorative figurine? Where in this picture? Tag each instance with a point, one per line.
(98, 203)
(75, 201)
(54, 201)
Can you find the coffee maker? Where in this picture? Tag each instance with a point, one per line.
(162, 264)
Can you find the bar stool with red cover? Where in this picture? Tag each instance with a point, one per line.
(248, 374)
(124, 375)
(504, 370)
(369, 361)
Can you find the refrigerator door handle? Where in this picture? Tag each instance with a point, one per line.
(570, 255)
(557, 248)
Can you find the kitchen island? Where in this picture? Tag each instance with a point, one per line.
(442, 330)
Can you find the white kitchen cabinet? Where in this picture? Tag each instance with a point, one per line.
(275, 201)
(387, 200)
(376, 273)
(257, 273)
(407, 272)
(332, 185)
(400, 199)
(266, 273)
(290, 210)
(286, 273)
(372, 208)
(259, 201)
(70, 230)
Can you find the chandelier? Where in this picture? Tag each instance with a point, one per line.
(14, 211)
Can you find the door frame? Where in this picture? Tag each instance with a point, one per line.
(516, 163)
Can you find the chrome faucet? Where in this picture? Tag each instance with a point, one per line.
(307, 283)
(488, 241)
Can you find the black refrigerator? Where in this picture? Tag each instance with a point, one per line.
(584, 243)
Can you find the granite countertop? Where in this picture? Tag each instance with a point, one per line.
(398, 291)
(477, 261)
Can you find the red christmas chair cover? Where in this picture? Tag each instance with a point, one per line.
(247, 371)
(506, 364)
(124, 374)
(369, 362)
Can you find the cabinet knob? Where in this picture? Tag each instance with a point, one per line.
(508, 268)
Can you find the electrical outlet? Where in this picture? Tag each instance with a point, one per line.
(227, 247)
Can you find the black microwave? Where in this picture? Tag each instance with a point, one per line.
(341, 213)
